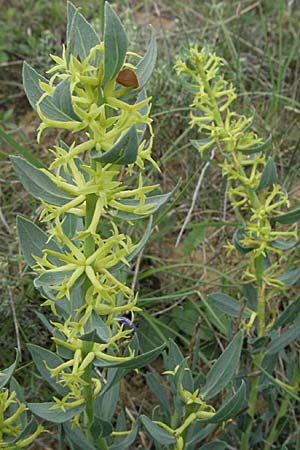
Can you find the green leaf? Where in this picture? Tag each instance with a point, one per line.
(238, 237)
(56, 415)
(134, 363)
(105, 404)
(231, 407)
(287, 337)
(280, 385)
(59, 107)
(29, 429)
(6, 374)
(158, 389)
(146, 65)
(100, 428)
(14, 386)
(257, 148)
(214, 445)
(38, 184)
(227, 305)
(283, 245)
(77, 437)
(269, 175)
(124, 151)
(41, 357)
(115, 374)
(71, 225)
(185, 318)
(290, 277)
(50, 278)
(126, 441)
(31, 79)
(45, 321)
(96, 330)
(183, 377)
(115, 44)
(289, 314)
(81, 36)
(156, 200)
(33, 240)
(224, 368)
(157, 433)
(197, 433)
(288, 218)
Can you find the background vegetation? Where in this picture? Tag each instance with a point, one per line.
(259, 42)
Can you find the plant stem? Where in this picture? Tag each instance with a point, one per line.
(258, 260)
(89, 248)
(257, 359)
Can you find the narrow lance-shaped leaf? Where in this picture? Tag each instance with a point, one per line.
(290, 276)
(43, 358)
(100, 428)
(214, 445)
(231, 407)
(6, 374)
(57, 415)
(38, 184)
(156, 200)
(257, 148)
(77, 438)
(157, 433)
(115, 44)
(31, 79)
(124, 151)
(96, 330)
(158, 389)
(269, 175)
(126, 441)
(33, 240)
(289, 314)
(81, 36)
(134, 363)
(28, 430)
(58, 107)
(224, 368)
(228, 305)
(146, 65)
(238, 237)
(287, 337)
(288, 218)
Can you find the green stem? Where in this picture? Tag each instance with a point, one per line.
(88, 390)
(89, 243)
(101, 444)
(257, 359)
(89, 248)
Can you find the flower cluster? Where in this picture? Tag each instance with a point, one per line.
(11, 410)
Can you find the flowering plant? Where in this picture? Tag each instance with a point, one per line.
(92, 194)
(261, 206)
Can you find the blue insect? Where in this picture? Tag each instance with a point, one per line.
(128, 325)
